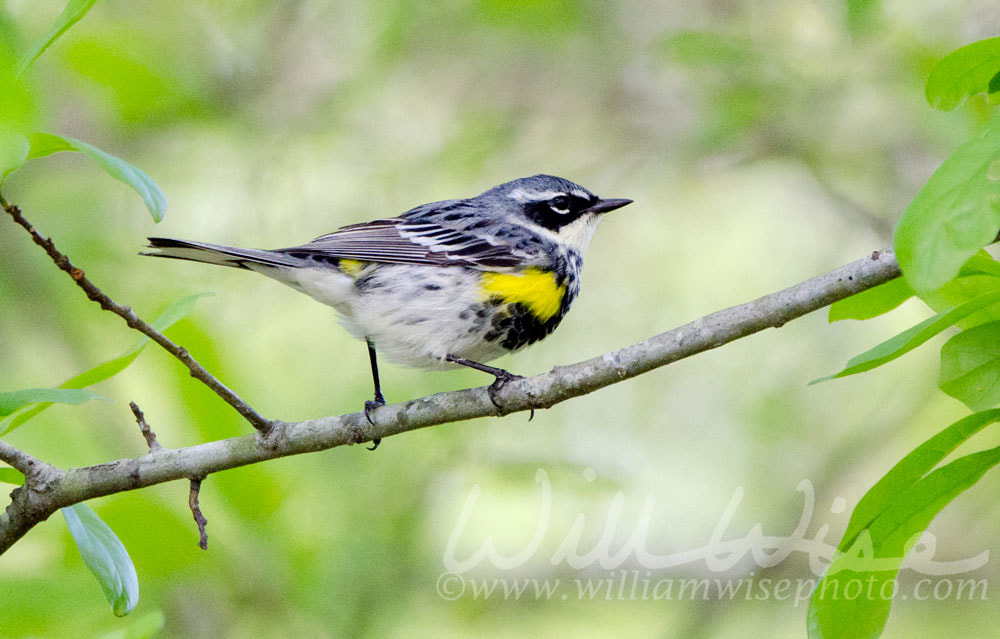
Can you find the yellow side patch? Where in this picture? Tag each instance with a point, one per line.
(351, 267)
(533, 287)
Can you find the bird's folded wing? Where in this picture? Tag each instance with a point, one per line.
(409, 241)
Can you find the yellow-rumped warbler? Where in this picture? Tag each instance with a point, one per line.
(456, 282)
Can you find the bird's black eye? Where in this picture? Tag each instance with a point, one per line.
(559, 204)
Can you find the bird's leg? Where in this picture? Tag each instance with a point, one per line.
(502, 377)
(379, 400)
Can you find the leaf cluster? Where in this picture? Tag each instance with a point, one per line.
(939, 244)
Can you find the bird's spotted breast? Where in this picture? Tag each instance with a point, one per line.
(524, 307)
(541, 292)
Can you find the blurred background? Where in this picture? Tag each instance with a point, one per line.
(763, 143)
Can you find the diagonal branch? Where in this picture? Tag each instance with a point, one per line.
(540, 391)
(136, 322)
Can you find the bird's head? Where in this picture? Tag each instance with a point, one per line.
(554, 207)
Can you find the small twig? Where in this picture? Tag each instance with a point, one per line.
(147, 432)
(134, 321)
(154, 446)
(196, 511)
(19, 459)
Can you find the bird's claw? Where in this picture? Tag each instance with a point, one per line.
(370, 406)
(501, 381)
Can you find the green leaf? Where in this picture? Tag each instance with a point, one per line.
(956, 213)
(71, 14)
(912, 337)
(970, 366)
(964, 73)
(982, 263)
(978, 276)
(43, 144)
(14, 400)
(873, 560)
(176, 311)
(11, 476)
(910, 469)
(897, 507)
(873, 302)
(962, 290)
(18, 110)
(105, 556)
(13, 152)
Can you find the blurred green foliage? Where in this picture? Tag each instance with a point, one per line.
(763, 143)
(30, 404)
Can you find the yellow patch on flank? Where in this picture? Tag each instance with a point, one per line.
(351, 267)
(533, 287)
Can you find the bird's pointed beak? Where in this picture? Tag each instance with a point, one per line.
(604, 206)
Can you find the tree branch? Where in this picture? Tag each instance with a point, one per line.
(17, 459)
(134, 321)
(540, 391)
(28, 503)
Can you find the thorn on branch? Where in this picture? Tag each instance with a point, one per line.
(196, 511)
(147, 432)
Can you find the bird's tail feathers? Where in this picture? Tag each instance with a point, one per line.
(217, 254)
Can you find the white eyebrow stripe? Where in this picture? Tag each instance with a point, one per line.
(522, 195)
(583, 195)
